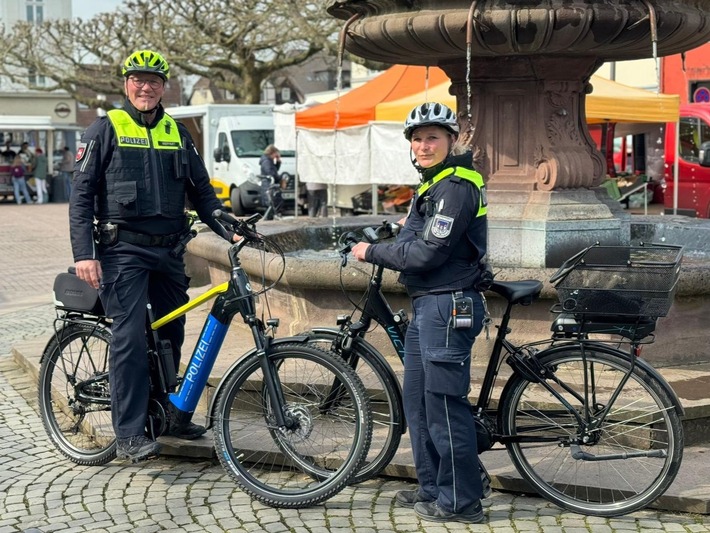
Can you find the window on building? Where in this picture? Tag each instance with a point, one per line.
(36, 79)
(285, 94)
(692, 133)
(35, 11)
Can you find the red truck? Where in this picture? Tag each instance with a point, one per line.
(693, 160)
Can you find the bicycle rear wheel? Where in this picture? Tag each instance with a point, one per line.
(74, 400)
(617, 468)
(315, 458)
(384, 394)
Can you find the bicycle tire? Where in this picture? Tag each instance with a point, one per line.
(75, 360)
(310, 463)
(384, 395)
(642, 420)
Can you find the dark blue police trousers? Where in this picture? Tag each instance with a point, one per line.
(437, 377)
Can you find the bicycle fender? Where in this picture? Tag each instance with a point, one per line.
(298, 339)
(639, 361)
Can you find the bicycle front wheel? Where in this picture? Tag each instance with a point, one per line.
(620, 466)
(384, 395)
(74, 400)
(325, 443)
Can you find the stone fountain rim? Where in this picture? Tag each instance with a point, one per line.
(300, 273)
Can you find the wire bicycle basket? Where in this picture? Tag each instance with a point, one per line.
(620, 280)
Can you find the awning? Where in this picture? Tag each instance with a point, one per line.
(609, 102)
(32, 122)
(357, 107)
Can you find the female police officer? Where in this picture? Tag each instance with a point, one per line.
(133, 170)
(438, 252)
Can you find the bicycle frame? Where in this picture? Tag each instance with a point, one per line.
(377, 307)
(232, 297)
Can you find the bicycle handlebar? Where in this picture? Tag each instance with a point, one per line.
(370, 234)
(243, 228)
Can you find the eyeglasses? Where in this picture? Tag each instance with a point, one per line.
(139, 84)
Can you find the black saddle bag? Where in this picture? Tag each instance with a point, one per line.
(74, 294)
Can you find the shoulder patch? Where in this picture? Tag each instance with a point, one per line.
(81, 151)
(441, 226)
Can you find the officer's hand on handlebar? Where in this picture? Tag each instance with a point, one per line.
(243, 229)
(359, 250)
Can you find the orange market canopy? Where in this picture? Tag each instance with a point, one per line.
(357, 107)
(609, 102)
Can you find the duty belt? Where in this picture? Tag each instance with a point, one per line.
(110, 233)
(142, 239)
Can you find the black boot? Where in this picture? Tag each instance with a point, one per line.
(180, 426)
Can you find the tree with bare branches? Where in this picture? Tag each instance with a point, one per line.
(235, 43)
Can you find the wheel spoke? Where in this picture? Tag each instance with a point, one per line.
(621, 465)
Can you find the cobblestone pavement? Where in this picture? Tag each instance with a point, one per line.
(42, 492)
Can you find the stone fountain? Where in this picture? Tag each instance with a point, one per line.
(521, 106)
(520, 71)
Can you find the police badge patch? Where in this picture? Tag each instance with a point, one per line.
(81, 151)
(441, 226)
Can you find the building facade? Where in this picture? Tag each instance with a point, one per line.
(688, 75)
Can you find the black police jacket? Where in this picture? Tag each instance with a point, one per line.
(445, 233)
(137, 176)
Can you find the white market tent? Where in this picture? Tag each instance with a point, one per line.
(357, 139)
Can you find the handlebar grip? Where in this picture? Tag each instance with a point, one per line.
(224, 216)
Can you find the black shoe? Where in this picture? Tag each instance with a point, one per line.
(138, 448)
(187, 431)
(407, 498)
(432, 512)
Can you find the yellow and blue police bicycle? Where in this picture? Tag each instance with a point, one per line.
(279, 432)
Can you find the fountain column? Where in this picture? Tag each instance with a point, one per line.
(527, 131)
(520, 99)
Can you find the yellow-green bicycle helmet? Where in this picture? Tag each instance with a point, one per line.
(146, 61)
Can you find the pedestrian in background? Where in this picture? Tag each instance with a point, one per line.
(269, 165)
(66, 170)
(439, 252)
(317, 199)
(28, 158)
(41, 176)
(19, 182)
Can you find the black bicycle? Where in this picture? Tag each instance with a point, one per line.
(277, 430)
(586, 421)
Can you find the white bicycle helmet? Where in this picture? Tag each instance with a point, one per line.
(430, 114)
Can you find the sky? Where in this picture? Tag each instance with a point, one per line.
(86, 9)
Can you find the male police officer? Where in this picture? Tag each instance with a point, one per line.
(133, 169)
(438, 252)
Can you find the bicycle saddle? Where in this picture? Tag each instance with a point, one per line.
(522, 292)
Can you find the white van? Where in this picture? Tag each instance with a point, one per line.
(231, 138)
